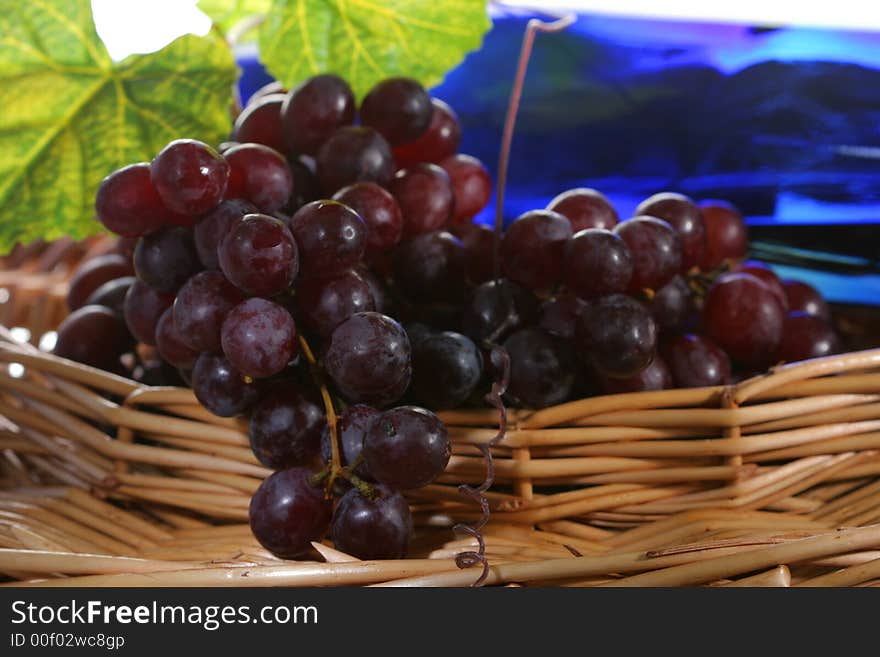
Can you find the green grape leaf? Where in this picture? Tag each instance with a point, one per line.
(366, 41)
(71, 115)
(228, 13)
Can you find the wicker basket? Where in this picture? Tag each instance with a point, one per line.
(770, 482)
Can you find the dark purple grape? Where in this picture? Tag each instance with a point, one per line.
(166, 259)
(726, 234)
(438, 142)
(806, 336)
(128, 204)
(327, 302)
(92, 274)
(171, 344)
(585, 208)
(767, 276)
(200, 308)
(354, 154)
(656, 251)
(260, 122)
(685, 217)
(314, 110)
(743, 315)
(285, 428)
(596, 262)
(559, 315)
(305, 185)
(407, 447)
(331, 238)
(212, 228)
(533, 247)
(478, 241)
(471, 185)
(805, 298)
(189, 176)
(258, 337)
(424, 194)
(671, 305)
(542, 371)
(142, 309)
(351, 427)
(381, 300)
(430, 268)
(368, 359)
(260, 175)
(112, 295)
(92, 335)
(287, 513)
(446, 369)
(617, 335)
(259, 255)
(655, 376)
(696, 362)
(496, 309)
(398, 108)
(221, 388)
(380, 212)
(378, 526)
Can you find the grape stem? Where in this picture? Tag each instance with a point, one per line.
(534, 25)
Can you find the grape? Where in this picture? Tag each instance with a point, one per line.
(201, 305)
(128, 204)
(685, 217)
(424, 194)
(478, 241)
(430, 267)
(258, 337)
(165, 259)
(446, 369)
(368, 358)
(331, 237)
(305, 185)
(314, 110)
(112, 295)
(259, 256)
(766, 275)
(380, 212)
(190, 176)
(212, 228)
(285, 428)
(655, 376)
(260, 175)
(407, 447)
(374, 527)
(92, 335)
(532, 249)
(92, 274)
(559, 315)
(437, 143)
(351, 427)
(221, 388)
(171, 344)
(471, 185)
(805, 298)
(541, 369)
(142, 308)
(354, 154)
(743, 315)
(377, 290)
(585, 208)
(398, 108)
(327, 302)
(671, 305)
(287, 513)
(696, 362)
(596, 262)
(496, 309)
(806, 336)
(726, 235)
(655, 249)
(617, 335)
(260, 122)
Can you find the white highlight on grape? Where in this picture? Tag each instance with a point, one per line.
(48, 341)
(20, 334)
(16, 370)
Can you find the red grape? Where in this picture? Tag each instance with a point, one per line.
(92, 335)
(354, 154)
(212, 228)
(671, 305)
(260, 122)
(447, 367)
(221, 388)
(112, 295)
(377, 526)
(685, 217)
(314, 110)
(259, 255)
(655, 376)
(201, 305)
(398, 108)
(471, 185)
(478, 241)
(285, 428)
(496, 309)
(585, 208)
(761, 271)
(128, 204)
(726, 234)
(596, 262)
(541, 368)
(165, 259)
(258, 337)
(424, 194)
(655, 249)
(617, 335)
(171, 344)
(437, 143)
(532, 249)
(351, 427)
(696, 362)
(142, 309)
(327, 302)
(806, 336)
(430, 267)
(260, 175)
(331, 238)
(380, 212)
(805, 298)
(190, 176)
(94, 273)
(559, 315)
